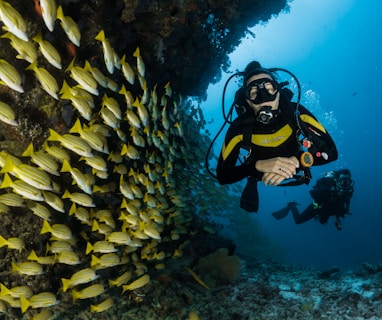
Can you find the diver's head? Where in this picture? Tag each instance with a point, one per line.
(344, 182)
(261, 92)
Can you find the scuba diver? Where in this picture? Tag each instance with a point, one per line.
(331, 197)
(273, 139)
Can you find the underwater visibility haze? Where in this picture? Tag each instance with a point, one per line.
(334, 50)
(106, 208)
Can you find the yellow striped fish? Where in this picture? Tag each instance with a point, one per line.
(136, 284)
(71, 142)
(121, 280)
(25, 49)
(92, 291)
(10, 77)
(107, 260)
(12, 243)
(49, 13)
(95, 140)
(82, 180)
(80, 198)
(16, 292)
(7, 115)
(44, 160)
(60, 231)
(127, 71)
(11, 199)
(80, 277)
(83, 77)
(22, 188)
(140, 64)
(102, 306)
(70, 27)
(40, 300)
(47, 81)
(101, 247)
(54, 201)
(49, 52)
(39, 210)
(31, 175)
(29, 268)
(13, 20)
(41, 260)
(108, 53)
(97, 74)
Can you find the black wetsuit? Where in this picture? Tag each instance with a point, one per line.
(277, 139)
(328, 201)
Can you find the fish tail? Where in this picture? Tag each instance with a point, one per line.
(4, 291)
(65, 91)
(45, 227)
(100, 36)
(3, 241)
(89, 248)
(65, 284)
(95, 225)
(96, 189)
(25, 304)
(72, 209)
(28, 151)
(8, 165)
(112, 283)
(7, 181)
(38, 37)
(76, 295)
(60, 13)
(71, 65)
(32, 256)
(137, 52)
(66, 194)
(94, 261)
(14, 267)
(53, 135)
(77, 127)
(88, 67)
(124, 149)
(32, 66)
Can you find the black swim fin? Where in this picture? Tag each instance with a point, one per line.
(249, 200)
(282, 213)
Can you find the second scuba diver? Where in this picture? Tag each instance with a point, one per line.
(331, 197)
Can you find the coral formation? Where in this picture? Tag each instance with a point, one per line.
(101, 158)
(220, 268)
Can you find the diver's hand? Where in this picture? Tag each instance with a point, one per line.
(272, 179)
(276, 170)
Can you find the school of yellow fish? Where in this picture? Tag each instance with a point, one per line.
(117, 172)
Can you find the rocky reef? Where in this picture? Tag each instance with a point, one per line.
(102, 183)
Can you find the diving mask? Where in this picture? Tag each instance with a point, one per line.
(344, 184)
(261, 90)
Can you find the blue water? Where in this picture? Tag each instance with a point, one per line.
(339, 65)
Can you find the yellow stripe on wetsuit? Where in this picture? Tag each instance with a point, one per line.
(313, 122)
(264, 140)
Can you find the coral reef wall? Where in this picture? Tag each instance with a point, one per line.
(101, 158)
(188, 40)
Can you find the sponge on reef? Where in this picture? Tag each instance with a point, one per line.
(218, 268)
